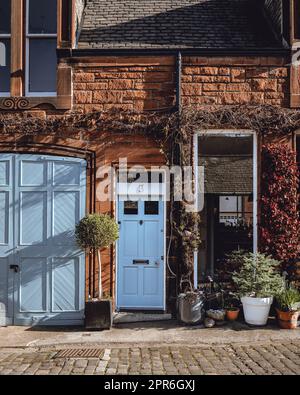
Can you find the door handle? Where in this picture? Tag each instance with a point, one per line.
(15, 268)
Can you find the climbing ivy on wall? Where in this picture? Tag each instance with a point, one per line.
(280, 225)
(173, 133)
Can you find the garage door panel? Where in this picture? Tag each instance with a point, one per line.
(65, 217)
(33, 218)
(65, 284)
(6, 238)
(33, 173)
(66, 173)
(4, 211)
(4, 172)
(33, 285)
(3, 286)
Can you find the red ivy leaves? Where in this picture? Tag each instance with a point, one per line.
(280, 225)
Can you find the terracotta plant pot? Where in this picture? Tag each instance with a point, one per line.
(288, 319)
(232, 315)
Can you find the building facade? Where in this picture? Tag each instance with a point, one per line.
(70, 58)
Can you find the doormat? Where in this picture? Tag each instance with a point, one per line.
(79, 353)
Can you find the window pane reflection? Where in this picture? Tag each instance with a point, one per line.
(131, 208)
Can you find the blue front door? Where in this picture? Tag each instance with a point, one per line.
(42, 271)
(141, 270)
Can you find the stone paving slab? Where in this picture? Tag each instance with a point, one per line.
(263, 358)
(146, 333)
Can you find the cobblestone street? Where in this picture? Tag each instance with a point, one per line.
(279, 358)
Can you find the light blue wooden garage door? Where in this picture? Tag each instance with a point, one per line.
(42, 271)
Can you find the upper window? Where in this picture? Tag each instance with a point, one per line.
(297, 19)
(5, 11)
(38, 43)
(5, 17)
(42, 17)
(41, 43)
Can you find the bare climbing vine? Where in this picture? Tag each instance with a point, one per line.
(174, 134)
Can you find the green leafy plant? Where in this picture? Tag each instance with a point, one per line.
(230, 264)
(258, 276)
(231, 302)
(288, 299)
(97, 231)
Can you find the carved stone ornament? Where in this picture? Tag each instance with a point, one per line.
(14, 103)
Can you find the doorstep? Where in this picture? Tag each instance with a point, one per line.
(131, 317)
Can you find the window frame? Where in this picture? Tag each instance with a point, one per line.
(62, 100)
(256, 177)
(295, 21)
(27, 38)
(6, 36)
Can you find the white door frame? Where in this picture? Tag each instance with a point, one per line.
(229, 133)
(141, 190)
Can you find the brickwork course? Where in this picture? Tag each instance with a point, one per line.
(149, 83)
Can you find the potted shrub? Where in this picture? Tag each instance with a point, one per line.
(94, 232)
(287, 307)
(257, 282)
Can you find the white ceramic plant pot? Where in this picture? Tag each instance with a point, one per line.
(256, 310)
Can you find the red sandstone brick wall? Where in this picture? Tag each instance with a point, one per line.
(125, 83)
(235, 81)
(149, 83)
(138, 150)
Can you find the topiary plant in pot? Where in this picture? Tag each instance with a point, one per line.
(95, 232)
(257, 282)
(288, 308)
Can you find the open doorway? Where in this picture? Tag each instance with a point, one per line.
(228, 218)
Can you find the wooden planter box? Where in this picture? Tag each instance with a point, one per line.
(98, 314)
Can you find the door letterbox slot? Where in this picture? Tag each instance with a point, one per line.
(140, 262)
